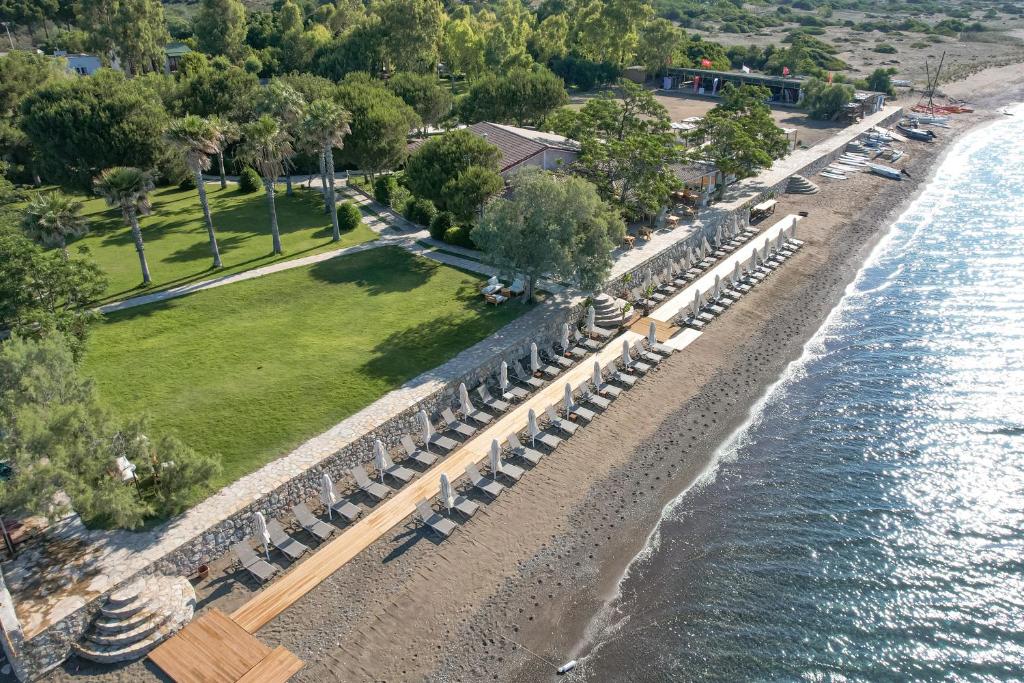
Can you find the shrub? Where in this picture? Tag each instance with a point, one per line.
(349, 216)
(459, 236)
(419, 210)
(249, 181)
(441, 224)
(400, 197)
(384, 189)
(188, 182)
(885, 49)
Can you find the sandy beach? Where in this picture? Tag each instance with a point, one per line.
(520, 582)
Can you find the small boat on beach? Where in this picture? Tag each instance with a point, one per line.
(917, 133)
(886, 171)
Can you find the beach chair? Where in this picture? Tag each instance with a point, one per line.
(488, 486)
(541, 367)
(601, 333)
(635, 365)
(492, 286)
(520, 451)
(640, 300)
(347, 509)
(588, 396)
(285, 543)
(692, 323)
(558, 423)
(513, 472)
(374, 489)
(607, 390)
(425, 458)
(438, 523)
(588, 344)
(518, 286)
(555, 357)
(495, 404)
(474, 414)
(576, 411)
(445, 443)
(464, 505)
(319, 528)
(546, 438)
(626, 380)
(402, 474)
(511, 392)
(659, 348)
(521, 376)
(455, 425)
(644, 355)
(253, 563)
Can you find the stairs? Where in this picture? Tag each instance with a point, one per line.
(800, 185)
(137, 618)
(608, 312)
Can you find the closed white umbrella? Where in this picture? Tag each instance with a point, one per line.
(777, 244)
(328, 495)
(447, 497)
(503, 377)
(766, 246)
(737, 272)
(564, 341)
(626, 359)
(591, 317)
(668, 273)
(704, 246)
(495, 457)
(752, 264)
(703, 251)
(597, 378)
(764, 254)
(380, 458)
(652, 334)
(464, 403)
(534, 357)
(428, 429)
(262, 533)
(718, 235)
(695, 306)
(531, 423)
(687, 264)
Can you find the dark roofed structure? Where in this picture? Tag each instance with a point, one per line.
(522, 146)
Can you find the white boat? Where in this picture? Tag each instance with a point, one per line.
(833, 176)
(886, 171)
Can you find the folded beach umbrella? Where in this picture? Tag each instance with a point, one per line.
(380, 458)
(702, 254)
(534, 358)
(704, 246)
(719, 235)
(327, 494)
(695, 305)
(766, 247)
(567, 397)
(737, 273)
(752, 263)
(495, 457)
(564, 340)
(447, 497)
(778, 242)
(764, 253)
(262, 532)
(532, 426)
(652, 334)
(591, 317)
(717, 291)
(503, 376)
(428, 429)
(597, 378)
(668, 272)
(464, 402)
(626, 360)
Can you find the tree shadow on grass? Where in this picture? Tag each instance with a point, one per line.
(407, 353)
(377, 271)
(201, 249)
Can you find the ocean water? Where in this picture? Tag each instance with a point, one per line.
(867, 524)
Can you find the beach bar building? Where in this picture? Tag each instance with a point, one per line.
(785, 90)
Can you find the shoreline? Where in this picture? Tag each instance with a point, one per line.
(534, 567)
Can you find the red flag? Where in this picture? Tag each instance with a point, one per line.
(706, 63)
(785, 71)
(830, 78)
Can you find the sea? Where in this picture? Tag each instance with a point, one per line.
(867, 522)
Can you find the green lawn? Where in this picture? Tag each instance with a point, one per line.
(177, 246)
(252, 369)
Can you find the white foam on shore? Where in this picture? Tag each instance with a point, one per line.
(932, 199)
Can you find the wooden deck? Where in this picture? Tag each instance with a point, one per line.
(215, 649)
(663, 331)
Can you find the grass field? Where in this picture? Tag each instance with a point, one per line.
(251, 370)
(177, 246)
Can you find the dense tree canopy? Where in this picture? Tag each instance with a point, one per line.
(741, 135)
(380, 124)
(424, 94)
(133, 32)
(520, 96)
(220, 27)
(824, 100)
(441, 159)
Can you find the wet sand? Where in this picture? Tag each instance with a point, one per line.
(529, 571)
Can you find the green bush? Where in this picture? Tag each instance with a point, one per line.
(885, 49)
(400, 198)
(249, 181)
(188, 182)
(349, 216)
(384, 189)
(419, 210)
(442, 222)
(459, 236)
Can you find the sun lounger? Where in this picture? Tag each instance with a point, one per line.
(645, 355)
(520, 375)
(558, 423)
(464, 505)
(419, 455)
(635, 365)
(496, 299)
(549, 371)
(445, 443)
(587, 396)
(488, 486)
(578, 411)
(520, 451)
(402, 474)
(474, 414)
(319, 528)
(285, 543)
(372, 488)
(495, 404)
(254, 564)
(588, 344)
(437, 522)
(347, 509)
(455, 425)
(492, 286)
(601, 332)
(556, 357)
(513, 472)
(660, 348)
(607, 390)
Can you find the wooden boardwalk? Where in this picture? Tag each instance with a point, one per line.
(330, 557)
(214, 649)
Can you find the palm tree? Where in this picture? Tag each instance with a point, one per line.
(229, 135)
(327, 123)
(53, 217)
(286, 105)
(128, 188)
(199, 139)
(266, 147)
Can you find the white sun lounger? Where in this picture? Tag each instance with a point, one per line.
(645, 355)
(513, 472)
(419, 455)
(464, 505)
(557, 358)
(607, 390)
(372, 488)
(588, 344)
(495, 404)
(558, 423)
(285, 543)
(319, 528)
(475, 414)
(254, 564)
(624, 379)
(519, 450)
(522, 376)
(455, 425)
(437, 522)
(578, 411)
(488, 486)
(588, 396)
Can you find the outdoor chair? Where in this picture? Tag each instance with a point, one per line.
(588, 344)
(495, 404)
(555, 357)
(347, 509)
(520, 451)
(374, 489)
(488, 486)
(455, 425)
(474, 414)
(282, 541)
(521, 376)
(558, 423)
(319, 528)
(252, 563)
(438, 523)
(419, 455)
